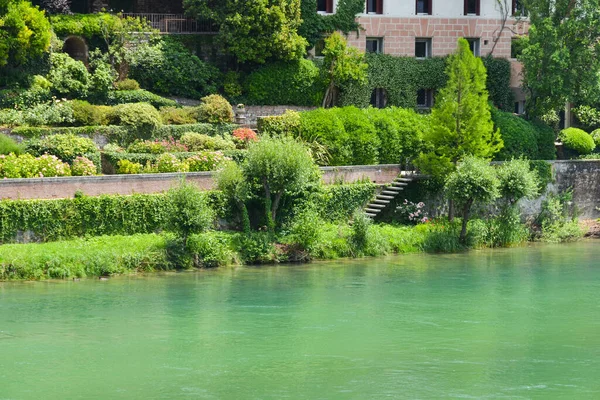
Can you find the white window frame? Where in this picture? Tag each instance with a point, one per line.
(379, 41)
(477, 46)
(428, 48)
(428, 99)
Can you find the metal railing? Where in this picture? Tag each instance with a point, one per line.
(176, 23)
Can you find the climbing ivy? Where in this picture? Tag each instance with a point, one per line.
(402, 77)
(315, 25)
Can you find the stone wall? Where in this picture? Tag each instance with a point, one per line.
(254, 112)
(64, 187)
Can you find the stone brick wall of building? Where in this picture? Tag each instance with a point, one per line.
(254, 112)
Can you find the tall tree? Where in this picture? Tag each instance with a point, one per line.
(24, 32)
(255, 30)
(342, 65)
(561, 56)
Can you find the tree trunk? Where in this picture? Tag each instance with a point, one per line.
(450, 210)
(275, 205)
(465, 220)
(328, 99)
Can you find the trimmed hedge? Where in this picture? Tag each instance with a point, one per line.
(577, 140)
(50, 220)
(138, 96)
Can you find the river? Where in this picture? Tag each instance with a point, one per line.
(512, 323)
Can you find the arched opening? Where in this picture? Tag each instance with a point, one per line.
(379, 98)
(76, 48)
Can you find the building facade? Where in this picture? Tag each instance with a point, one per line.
(431, 28)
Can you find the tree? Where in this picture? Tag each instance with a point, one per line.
(314, 25)
(342, 65)
(24, 32)
(517, 181)
(461, 123)
(255, 30)
(277, 168)
(561, 54)
(474, 181)
(189, 211)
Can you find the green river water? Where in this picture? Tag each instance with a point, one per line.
(515, 324)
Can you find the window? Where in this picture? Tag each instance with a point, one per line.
(474, 46)
(374, 6)
(519, 107)
(374, 45)
(472, 7)
(325, 6)
(379, 98)
(516, 47)
(424, 98)
(518, 8)
(424, 7)
(422, 48)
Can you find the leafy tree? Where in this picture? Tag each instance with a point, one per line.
(277, 168)
(561, 54)
(255, 30)
(342, 65)
(24, 32)
(517, 181)
(474, 181)
(231, 181)
(190, 212)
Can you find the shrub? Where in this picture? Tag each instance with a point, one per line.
(325, 126)
(577, 140)
(86, 114)
(280, 125)
(257, 248)
(243, 137)
(294, 83)
(189, 212)
(56, 112)
(127, 84)
(206, 161)
(211, 249)
(215, 110)
(138, 96)
(128, 167)
(411, 130)
(362, 135)
(169, 68)
(27, 166)
(177, 116)
(596, 136)
(143, 118)
(558, 219)
(361, 224)
(68, 77)
(305, 234)
(83, 166)
(169, 163)
(197, 142)
(67, 147)
(9, 145)
(157, 146)
(49, 165)
(11, 118)
(24, 98)
(517, 180)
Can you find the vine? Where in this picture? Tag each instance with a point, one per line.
(315, 25)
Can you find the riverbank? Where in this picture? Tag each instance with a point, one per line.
(114, 255)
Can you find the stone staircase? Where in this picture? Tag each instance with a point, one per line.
(389, 193)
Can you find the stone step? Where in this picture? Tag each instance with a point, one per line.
(371, 215)
(393, 189)
(372, 211)
(399, 184)
(374, 205)
(382, 196)
(390, 193)
(407, 180)
(381, 201)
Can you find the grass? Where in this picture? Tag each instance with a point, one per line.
(98, 256)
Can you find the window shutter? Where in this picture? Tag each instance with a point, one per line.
(429, 7)
(329, 6)
(514, 7)
(379, 7)
(466, 7)
(478, 7)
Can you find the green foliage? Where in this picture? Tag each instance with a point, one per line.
(577, 140)
(560, 62)
(142, 118)
(342, 65)
(314, 25)
(336, 203)
(543, 171)
(69, 78)
(127, 84)
(596, 136)
(24, 32)
(287, 124)
(517, 180)
(498, 82)
(257, 248)
(588, 116)
(474, 181)
(189, 212)
(215, 109)
(305, 234)
(177, 116)
(21, 99)
(9, 145)
(167, 67)
(83, 166)
(168, 162)
(279, 168)
(138, 96)
(212, 249)
(66, 147)
(86, 114)
(362, 135)
(325, 126)
(361, 223)
(255, 31)
(460, 120)
(558, 219)
(443, 237)
(128, 167)
(27, 166)
(99, 256)
(523, 138)
(293, 83)
(197, 142)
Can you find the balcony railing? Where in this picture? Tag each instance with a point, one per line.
(176, 23)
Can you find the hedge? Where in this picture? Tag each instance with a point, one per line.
(138, 96)
(402, 77)
(51, 220)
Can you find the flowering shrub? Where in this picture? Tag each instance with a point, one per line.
(410, 212)
(65, 146)
(128, 167)
(83, 166)
(56, 112)
(206, 161)
(198, 142)
(157, 146)
(243, 136)
(27, 166)
(169, 163)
